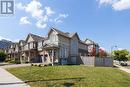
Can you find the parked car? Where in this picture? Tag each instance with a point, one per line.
(123, 63)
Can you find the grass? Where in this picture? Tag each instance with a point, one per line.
(127, 67)
(72, 76)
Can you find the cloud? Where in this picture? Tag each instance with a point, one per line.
(42, 14)
(24, 20)
(105, 1)
(60, 17)
(121, 5)
(34, 8)
(117, 5)
(120, 49)
(49, 11)
(40, 24)
(63, 15)
(4, 38)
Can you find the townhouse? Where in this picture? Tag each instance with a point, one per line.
(93, 48)
(13, 52)
(57, 48)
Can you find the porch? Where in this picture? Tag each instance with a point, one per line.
(50, 54)
(30, 56)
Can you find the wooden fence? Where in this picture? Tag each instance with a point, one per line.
(95, 61)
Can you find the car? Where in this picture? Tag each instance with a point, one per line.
(123, 63)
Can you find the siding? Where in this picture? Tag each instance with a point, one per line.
(74, 46)
(64, 46)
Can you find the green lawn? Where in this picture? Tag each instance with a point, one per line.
(127, 67)
(72, 76)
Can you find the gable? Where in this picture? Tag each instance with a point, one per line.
(75, 37)
(21, 43)
(51, 31)
(88, 41)
(29, 39)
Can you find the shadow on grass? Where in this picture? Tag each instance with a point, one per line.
(68, 84)
(33, 81)
(76, 79)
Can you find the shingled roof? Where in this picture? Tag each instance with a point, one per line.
(60, 32)
(66, 34)
(22, 41)
(35, 37)
(92, 42)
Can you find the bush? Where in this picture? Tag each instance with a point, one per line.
(32, 65)
(11, 61)
(39, 65)
(26, 62)
(14, 61)
(6, 60)
(17, 62)
(2, 56)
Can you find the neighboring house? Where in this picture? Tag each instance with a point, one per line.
(13, 52)
(29, 48)
(63, 48)
(93, 48)
(57, 48)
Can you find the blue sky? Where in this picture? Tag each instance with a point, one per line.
(107, 22)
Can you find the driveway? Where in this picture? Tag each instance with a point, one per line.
(9, 80)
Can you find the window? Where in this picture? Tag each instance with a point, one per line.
(53, 37)
(40, 44)
(66, 52)
(31, 45)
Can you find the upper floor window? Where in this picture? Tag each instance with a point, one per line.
(53, 37)
(40, 44)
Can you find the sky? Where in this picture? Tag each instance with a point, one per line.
(107, 22)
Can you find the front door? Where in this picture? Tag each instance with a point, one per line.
(73, 60)
(63, 61)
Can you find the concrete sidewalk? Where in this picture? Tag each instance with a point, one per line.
(9, 80)
(122, 68)
(14, 66)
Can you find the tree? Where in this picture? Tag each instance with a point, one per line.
(93, 52)
(121, 55)
(2, 56)
(102, 53)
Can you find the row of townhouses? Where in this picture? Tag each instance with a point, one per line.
(57, 48)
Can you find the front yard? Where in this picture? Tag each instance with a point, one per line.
(127, 67)
(72, 76)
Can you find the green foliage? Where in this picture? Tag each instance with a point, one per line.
(129, 58)
(2, 56)
(14, 61)
(121, 55)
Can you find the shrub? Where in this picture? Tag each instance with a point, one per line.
(17, 62)
(2, 56)
(32, 65)
(11, 61)
(39, 65)
(14, 61)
